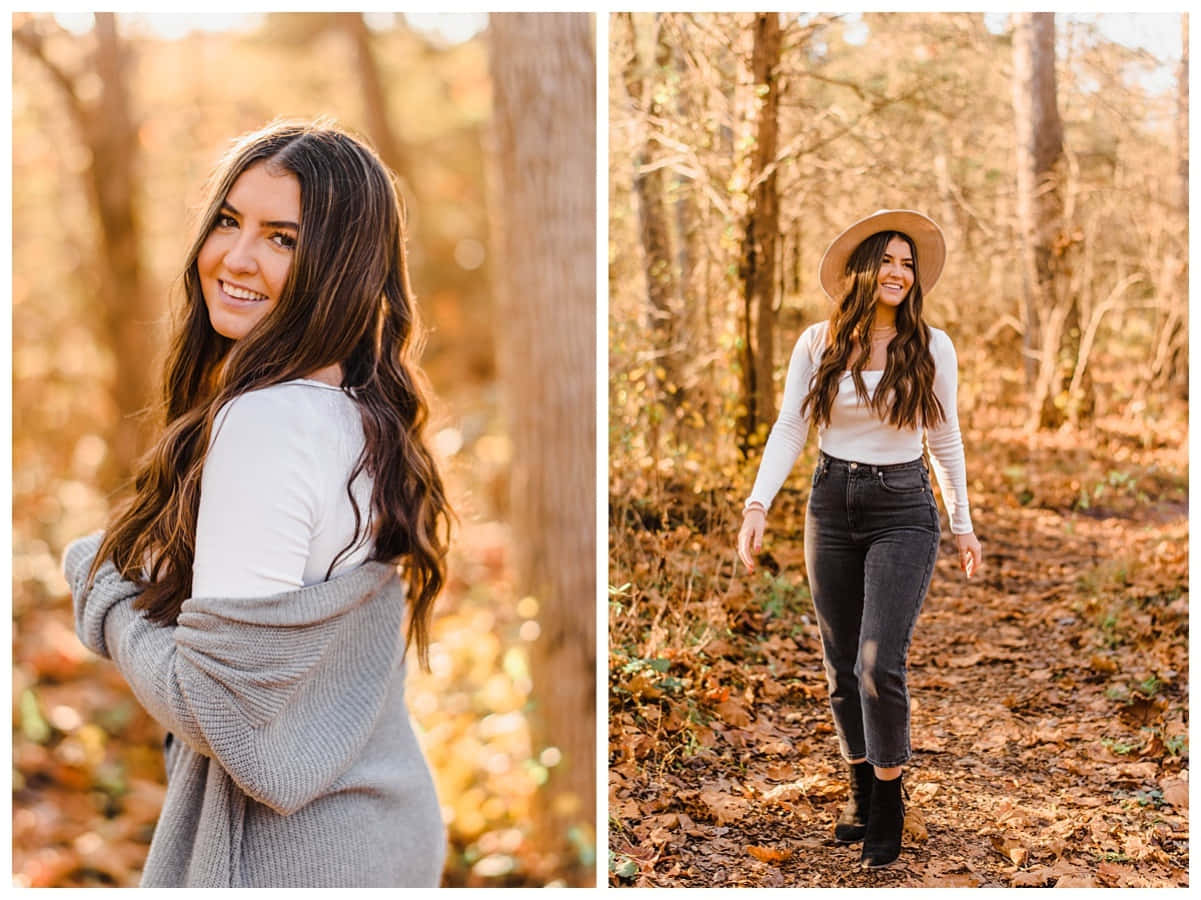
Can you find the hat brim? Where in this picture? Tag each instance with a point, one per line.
(921, 229)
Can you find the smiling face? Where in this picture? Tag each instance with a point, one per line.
(244, 262)
(895, 278)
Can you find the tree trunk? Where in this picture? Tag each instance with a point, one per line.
(543, 190)
(1039, 202)
(1168, 363)
(375, 98)
(649, 183)
(129, 322)
(692, 298)
(762, 226)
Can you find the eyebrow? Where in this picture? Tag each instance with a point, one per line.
(272, 223)
(905, 257)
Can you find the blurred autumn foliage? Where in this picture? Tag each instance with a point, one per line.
(87, 770)
(1050, 694)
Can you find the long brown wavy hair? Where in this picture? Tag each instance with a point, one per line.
(905, 396)
(346, 300)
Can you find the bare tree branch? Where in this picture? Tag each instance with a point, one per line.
(31, 38)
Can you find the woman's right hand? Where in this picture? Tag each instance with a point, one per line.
(750, 537)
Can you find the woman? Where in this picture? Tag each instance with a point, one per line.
(249, 590)
(874, 379)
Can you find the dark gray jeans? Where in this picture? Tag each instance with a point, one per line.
(871, 538)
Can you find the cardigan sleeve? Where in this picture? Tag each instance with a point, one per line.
(944, 439)
(787, 437)
(108, 624)
(249, 682)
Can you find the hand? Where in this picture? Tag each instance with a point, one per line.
(971, 560)
(750, 538)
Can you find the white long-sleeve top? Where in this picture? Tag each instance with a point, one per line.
(274, 512)
(855, 432)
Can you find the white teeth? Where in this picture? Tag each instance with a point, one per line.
(240, 294)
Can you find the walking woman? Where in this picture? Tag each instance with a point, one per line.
(874, 379)
(249, 591)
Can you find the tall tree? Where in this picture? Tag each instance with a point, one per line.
(375, 99)
(642, 83)
(693, 296)
(1169, 358)
(762, 226)
(544, 217)
(97, 98)
(1039, 201)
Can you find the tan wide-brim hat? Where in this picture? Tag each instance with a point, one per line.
(926, 236)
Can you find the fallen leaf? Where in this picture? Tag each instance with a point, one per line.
(725, 808)
(924, 792)
(915, 825)
(780, 771)
(623, 867)
(1111, 873)
(963, 662)
(784, 793)
(1175, 792)
(1082, 880)
(1102, 664)
(719, 647)
(1036, 877)
(734, 713)
(769, 854)
(968, 879)
(1011, 848)
(643, 685)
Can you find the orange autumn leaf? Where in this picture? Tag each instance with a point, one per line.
(769, 854)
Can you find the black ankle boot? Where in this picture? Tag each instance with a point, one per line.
(852, 824)
(885, 819)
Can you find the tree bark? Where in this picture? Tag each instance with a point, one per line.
(543, 189)
(762, 226)
(1039, 202)
(649, 187)
(692, 297)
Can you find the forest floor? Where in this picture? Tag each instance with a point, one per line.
(1049, 694)
(88, 779)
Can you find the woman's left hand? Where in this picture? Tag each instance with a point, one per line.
(970, 556)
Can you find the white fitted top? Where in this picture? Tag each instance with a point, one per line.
(274, 511)
(855, 432)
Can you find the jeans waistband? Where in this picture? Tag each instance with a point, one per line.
(826, 460)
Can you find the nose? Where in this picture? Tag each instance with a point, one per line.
(240, 258)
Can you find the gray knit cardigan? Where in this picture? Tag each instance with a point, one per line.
(291, 761)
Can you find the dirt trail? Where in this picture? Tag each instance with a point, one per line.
(1049, 721)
